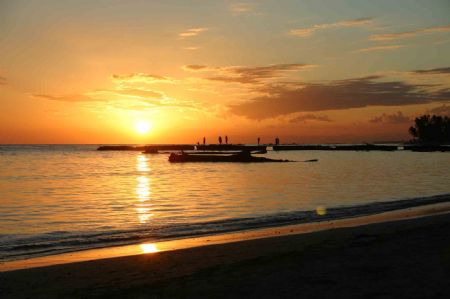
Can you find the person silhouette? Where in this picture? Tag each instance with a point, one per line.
(204, 140)
(258, 140)
(226, 139)
(220, 139)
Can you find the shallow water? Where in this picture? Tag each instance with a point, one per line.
(64, 198)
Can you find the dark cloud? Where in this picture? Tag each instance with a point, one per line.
(251, 75)
(194, 67)
(310, 117)
(395, 118)
(336, 95)
(442, 70)
(442, 110)
(234, 79)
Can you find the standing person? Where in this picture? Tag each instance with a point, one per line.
(220, 140)
(258, 140)
(226, 139)
(204, 140)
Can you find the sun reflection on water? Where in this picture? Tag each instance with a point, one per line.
(143, 192)
(143, 188)
(149, 248)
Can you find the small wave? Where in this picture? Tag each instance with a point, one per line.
(14, 247)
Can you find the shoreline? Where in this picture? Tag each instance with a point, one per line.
(229, 237)
(390, 259)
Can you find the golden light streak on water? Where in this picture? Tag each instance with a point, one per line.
(143, 192)
(143, 188)
(142, 164)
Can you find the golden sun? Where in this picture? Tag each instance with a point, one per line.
(143, 127)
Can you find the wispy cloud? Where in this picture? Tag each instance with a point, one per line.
(308, 31)
(408, 34)
(441, 110)
(395, 118)
(143, 99)
(242, 8)
(129, 93)
(142, 77)
(250, 75)
(194, 67)
(192, 32)
(436, 71)
(379, 48)
(191, 48)
(310, 117)
(138, 92)
(67, 98)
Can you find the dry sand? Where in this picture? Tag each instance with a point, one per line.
(398, 259)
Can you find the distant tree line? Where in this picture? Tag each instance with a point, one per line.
(431, 129)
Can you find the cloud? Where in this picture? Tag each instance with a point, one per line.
(440, 110)
(194, 67)
(142, 77)
(308, 31)
(379, 48)
(67, 98)
(191, 48)
(395, 118)
(241, 8)
(437, 71)
(336, 95)
(310, 117)
(149, 104)
(151, 100)
(143, 93)
(252, 75)
(2, 80)
(105, 96)
(408, 34)
(128, 96)
(192, 32)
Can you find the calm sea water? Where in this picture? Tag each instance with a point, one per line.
(63, 198)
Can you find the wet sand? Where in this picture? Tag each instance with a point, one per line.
(397, 259)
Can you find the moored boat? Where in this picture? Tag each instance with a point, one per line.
(242, 157)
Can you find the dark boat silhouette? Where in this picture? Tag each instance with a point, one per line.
(242, 157)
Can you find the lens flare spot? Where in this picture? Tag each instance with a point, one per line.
(321, 210)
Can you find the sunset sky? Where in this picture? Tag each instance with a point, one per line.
(175, 71)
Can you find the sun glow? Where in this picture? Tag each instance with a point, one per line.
(143, 127)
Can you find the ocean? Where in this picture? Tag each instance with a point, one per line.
(63, 198)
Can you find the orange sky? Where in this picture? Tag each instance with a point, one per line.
(336, 71)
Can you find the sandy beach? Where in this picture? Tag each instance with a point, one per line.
(407, 258)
